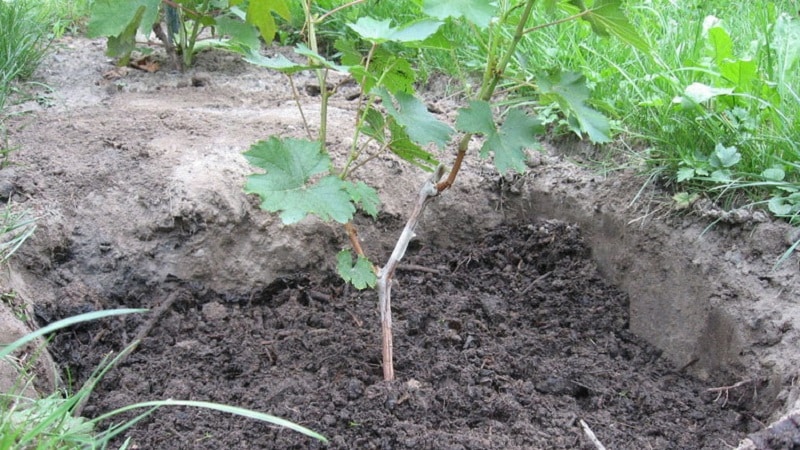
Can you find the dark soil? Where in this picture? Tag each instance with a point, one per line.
(506, 344)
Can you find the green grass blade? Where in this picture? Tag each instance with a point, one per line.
(8, 349)
(250, 414)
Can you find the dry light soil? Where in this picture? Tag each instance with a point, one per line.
(525, 305)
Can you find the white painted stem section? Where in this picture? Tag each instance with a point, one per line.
(386, 274)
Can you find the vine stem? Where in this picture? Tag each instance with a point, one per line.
(386, 274)
(492, 76)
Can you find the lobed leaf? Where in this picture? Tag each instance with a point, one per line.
(123, 44)
(571, 93)
(360, 275)
(479, 12)
(379, 31)
(287, 185)
(421, 126)
(508, 143)
(365, 196)
(259, 13)
(607, 19)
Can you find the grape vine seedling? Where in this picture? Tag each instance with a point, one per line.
(299, 177)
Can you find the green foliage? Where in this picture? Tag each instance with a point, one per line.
(479, 12)
(361, 274)
(120, 20)
(287, 184)
(508, 143)
(380, 31)
(23, 42)
(608, 19)
(569, 90)
(299, 178)
(410, 113)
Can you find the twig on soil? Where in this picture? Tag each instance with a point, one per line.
(386, 273)
(533, 283)
(725, 390)
(418, 268)
(590, 435)
(155, 315)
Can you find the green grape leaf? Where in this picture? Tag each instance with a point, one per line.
(374, 125)
(477, 118)
(318, 59)
(420, 125)
(508, 144)
(259, 13)
(569, 90)
(240, 33)
(122, 45)
(380, 31)
(517, 133)
(402, 146)
(479, 12)
(361, 274)
(113, 17)
(278, 62)
(287, 184)
(365, 196)
(607, 19)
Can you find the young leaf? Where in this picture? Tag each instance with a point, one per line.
(259, 13)
(364, 195)
(379, 31)
(779, 206)
(774, 174)
(286, 186)
(420, 125)
(570, 92)
(361, 274)
(684, 200)
(517, 133)
(479, 12)
(607, 18)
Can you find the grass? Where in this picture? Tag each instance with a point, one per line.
(23, 43)
(713, 109)
(736, 127)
